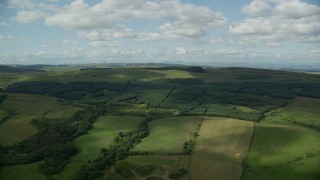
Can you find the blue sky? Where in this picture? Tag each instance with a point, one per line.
(188, 31)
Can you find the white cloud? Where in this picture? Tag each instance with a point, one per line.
(296, 9)
(180, 30)
(1, 38)
(68, 42)
(25, 17)
(104, 44)
(145, 36)
(315, 51)
(181, 51)
(185, 20)
(291, 20)
(79, 15)
(118, 32)
(259, 25)
(91, 35)
(257, 8)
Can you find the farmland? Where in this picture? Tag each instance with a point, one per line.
(283, 152)
(302, 111)
(221, 149)
(101, 135)
(170, 134)
(23, 109)
(286, 145)
(175, 122)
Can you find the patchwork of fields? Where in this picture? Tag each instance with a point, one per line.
(286, 145)
(23, 108)
(101, 135)
(159, 123)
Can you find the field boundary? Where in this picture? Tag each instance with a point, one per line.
(245, 159)
(195, 140)
(166, 96)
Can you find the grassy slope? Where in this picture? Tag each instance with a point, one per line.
(10, 78)
(276, 151)
(27, 107)
(279, 147)
(25, 172)
(168, 135)
(301, 109)
(16, 129)
(101, 135)
(3, 114)
(220, 149)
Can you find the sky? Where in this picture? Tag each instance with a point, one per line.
(205, 32)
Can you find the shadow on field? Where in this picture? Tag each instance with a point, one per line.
(283, 152)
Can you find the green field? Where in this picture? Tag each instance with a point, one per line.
(301, 111)
(25, 108)
(220, 149)
(101, 135)
(26, 172)
(283, 152)
(3, 115)
(16, 129)
(168, 135)
(163, 109)
(286, 144)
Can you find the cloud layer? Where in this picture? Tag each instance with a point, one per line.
(160, 30)
(288, 20)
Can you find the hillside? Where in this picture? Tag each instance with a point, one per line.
(168, 122)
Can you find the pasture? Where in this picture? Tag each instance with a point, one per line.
(24, 108)
(177, 99)
(101, 135)
(25, 172)
(283, 152)
(3, 115)
(168, 135)
(220, 149)
(301, 111)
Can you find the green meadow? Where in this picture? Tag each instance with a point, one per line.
(168, 135)
(27, 172)
(103, 131)
(159, 122)
(23, 109)
(283, 152)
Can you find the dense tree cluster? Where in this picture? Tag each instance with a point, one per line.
(257, 92)
(73, 90)
(311, 92)
(2, 97)
(53, 143)
(119, 150)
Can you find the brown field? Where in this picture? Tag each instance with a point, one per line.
(220, 149)
(162, 164)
